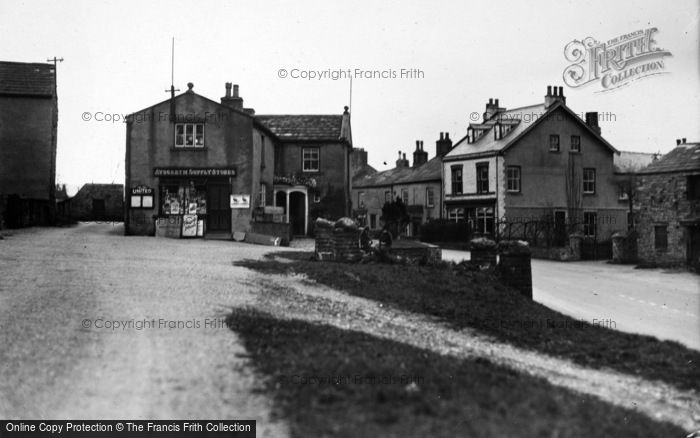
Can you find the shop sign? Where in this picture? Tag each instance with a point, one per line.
(192, 171)
(240, 201)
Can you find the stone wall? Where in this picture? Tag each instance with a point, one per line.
(277, 229)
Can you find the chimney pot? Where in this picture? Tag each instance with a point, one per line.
(441, 135)
(417, 145)
(235, 90)
(490, 101)
(683, 140)
(561, 91)
(496, 102)
(554, 91)
(549, 90)
(404, 155)
(678, 141)
(447, 136)
(228, 89)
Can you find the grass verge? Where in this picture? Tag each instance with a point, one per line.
(331, 382)
(465, 298)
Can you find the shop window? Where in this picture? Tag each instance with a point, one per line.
(189, 135)
(310, 159)
(455, 214)
(513, 179)
(184, 198)
(589, 181)
(482, 178)
(661, 237)
(484, 222)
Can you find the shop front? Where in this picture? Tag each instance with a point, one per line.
(194, 202)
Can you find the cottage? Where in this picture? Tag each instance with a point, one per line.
(668, 193)
(28, 127)
(98, 202)
(419, 186)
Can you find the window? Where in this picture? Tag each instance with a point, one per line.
(387, 196)
(589, 181)
(404, 196)
(660, 237)
(455, 214)
(261, 195)
(361, 199)
(457, 180)
(189, 135)
(482, 178)
(429, 197)
(513, 179)
(373, 221)
(310, 160)
(484, 220)
(575, 143)
(693, 187)
(590, 220)
(553, 143)
(622, 193)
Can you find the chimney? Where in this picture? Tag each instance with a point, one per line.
(420, 157)
(443, 145)
(592, 121)
(401, 162)
(554, 94)
(232, 101)
(678, 142)
(491, 109)
(683, 140)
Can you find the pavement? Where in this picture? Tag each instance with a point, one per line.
(656, 302)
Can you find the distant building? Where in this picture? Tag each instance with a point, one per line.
(98, 202)
(218, 166)
(627, 166)
(28, 127)
(536, 163)
(419, 186)
(669, 216)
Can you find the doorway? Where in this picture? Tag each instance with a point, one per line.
(559, 228)
(218, 208)
(297, 213)
(98, 209)
(694, 246)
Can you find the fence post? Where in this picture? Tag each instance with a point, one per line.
(515, 267)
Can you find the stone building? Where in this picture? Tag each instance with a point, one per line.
(28, 129)
(535, 163)
(419, 186)
(98, 202)
(668, 192)
(216, 168)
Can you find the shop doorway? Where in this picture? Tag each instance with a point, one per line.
(297, 213)
(218, 208)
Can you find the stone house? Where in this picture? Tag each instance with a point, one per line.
(419, 186)
(28, 129)
(220, 167)
(541, 163)
(669, 218)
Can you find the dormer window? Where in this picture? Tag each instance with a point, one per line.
(189, 135)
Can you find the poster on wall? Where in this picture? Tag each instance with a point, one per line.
(240, 201)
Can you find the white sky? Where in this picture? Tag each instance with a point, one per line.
(117, 60)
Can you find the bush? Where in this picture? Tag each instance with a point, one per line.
(443, 230)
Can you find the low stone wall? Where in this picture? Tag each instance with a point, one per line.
(423, 253)
(483, 252)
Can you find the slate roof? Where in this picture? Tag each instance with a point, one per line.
(304, 127)
(430, 171)
(629, 162)
(26, 79)
(521, 120)
(683, 158)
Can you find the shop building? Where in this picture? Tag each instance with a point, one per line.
(196, 167)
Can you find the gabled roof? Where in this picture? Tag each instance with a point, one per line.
(631, 162)
(521, 121)
(430, 171)
(27, 79)
(683, 158)
(321, 127)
